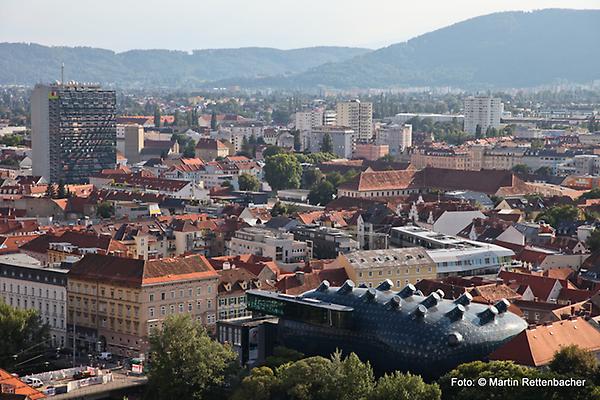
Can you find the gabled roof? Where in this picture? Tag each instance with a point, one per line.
(541, 286)
(131, 272)
(536, 346)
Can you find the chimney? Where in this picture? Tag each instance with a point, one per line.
(226, 265)
(300, 277)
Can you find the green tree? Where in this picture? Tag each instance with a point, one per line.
(592, 194)
(401, 386)
(50, 191)
(213, 121)
(554, 215)
(283, 171)
(282, 355)
(310, 177)
(327, 144)
(248, 182)
(23, 336)
(259, 385)
(278, 209)
(521, 169)
(544, 171)
(322, 193)
(272, 150)
(354, 379)
(61, 191)
(593, 241)
(105, 209)
(157, 116)
(189, 149)
(297, 142)
(478, 132)
(575, 361)
(187, 363)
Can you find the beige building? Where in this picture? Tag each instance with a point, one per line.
(133, 137)
(401, 266)
(210, 149)
(115, 303)
(358, 116)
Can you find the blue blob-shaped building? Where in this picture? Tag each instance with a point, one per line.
(393, 330)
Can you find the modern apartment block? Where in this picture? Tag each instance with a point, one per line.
(484, 112)
(115, 303)
(358, 116)
(73, 131)
(307, 120)
(342, 140)
(397, 137)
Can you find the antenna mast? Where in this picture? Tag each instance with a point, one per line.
(62, 74)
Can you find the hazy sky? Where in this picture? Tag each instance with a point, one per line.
(195, 24)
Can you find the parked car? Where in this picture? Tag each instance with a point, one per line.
(106, 356)
(33, 382)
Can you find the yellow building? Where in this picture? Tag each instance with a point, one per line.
(401, 266)
(115, 303)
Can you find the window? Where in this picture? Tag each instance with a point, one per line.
(151, 312)
(198, 291)
(190, 292)
(163, 296)
(163, 310)
(172, 308)
(209, 289)
(199, 304)
(190, 307)
(151, 296)
(222, 302)
(181, 307)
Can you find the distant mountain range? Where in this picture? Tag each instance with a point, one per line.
(22, 63)
(508, 49)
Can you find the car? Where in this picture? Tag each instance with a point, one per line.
(33, 382)
(106, 356)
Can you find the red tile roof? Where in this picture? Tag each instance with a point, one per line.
(541, 286)
(135, 273)
(18, 386)
(537, 346)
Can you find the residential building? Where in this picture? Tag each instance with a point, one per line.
(482, 111)
(210, 149)
(28, 285)
(133, 137)
(358, 116)
(73, 131)
(118, 302)
(279, 246)
(370, 151)
(305, 121)
(397, 137)
(231, 296)
(325, 242)
(400, 266)
(342, 140)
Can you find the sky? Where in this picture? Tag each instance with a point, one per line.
(199, 24)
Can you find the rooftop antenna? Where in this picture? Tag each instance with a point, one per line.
(62, 73)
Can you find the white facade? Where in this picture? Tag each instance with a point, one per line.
(280, 247)
(307, 120)
(397, 137)
(28, 286)
(484, 112)
(358, 116)
(342, 140)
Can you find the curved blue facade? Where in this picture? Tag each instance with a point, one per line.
(401, 330)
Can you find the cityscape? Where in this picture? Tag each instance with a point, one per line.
(417, 219)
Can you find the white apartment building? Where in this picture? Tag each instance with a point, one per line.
(397, 137)
(307, 120)
(342, 140)
(482, 111)
(26, 284)
(279, 246)
(358, 116)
